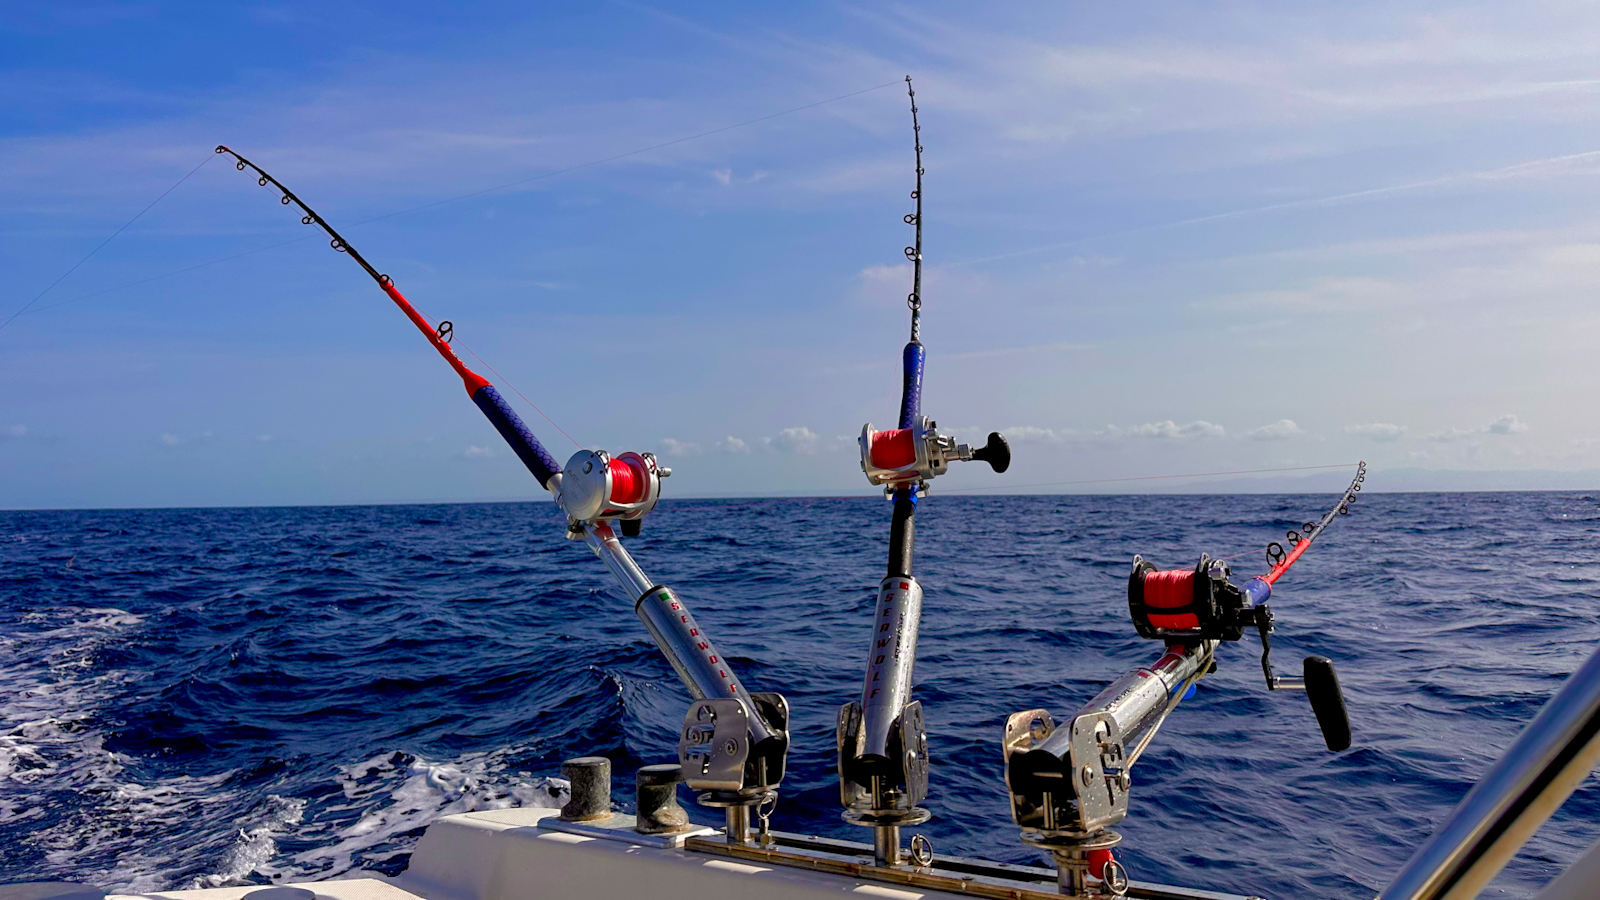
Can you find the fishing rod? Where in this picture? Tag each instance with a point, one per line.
(882, 741)
(1070, 784)
(734, 742)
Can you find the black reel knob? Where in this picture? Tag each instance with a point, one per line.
(632, 527)
(997, 453)
(1327, 701)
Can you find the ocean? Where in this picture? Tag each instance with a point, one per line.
(206, 697)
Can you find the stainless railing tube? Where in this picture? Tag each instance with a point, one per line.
(687, 648)
(1542, 768)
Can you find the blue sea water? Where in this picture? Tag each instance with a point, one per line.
(195, 698)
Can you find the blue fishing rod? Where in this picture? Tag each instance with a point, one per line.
(882, 742)
(734, 742)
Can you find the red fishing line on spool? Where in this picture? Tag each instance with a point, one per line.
(893, 449)
(629, 481)
(1172, 589)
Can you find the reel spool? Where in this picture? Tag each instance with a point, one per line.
(1187, 605)
(596, 486)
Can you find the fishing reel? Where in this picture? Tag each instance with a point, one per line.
(1189, 606)
(910, 455)
(596, 487)
(1184, 605)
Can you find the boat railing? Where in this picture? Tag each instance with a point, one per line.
(1548, 761)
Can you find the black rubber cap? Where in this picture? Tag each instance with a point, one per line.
(50, 890)
(1327, 701)
(997, 453)
(632, 527)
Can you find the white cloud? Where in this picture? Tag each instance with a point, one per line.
(1169, 431)
(723, 176)
(476, 452)
(1377, 431)
(1283, 429)
(672, 447)
(15, 432)
(171, 440)
(263, 438)
(1027, 434)
(731, 444)
(798, 439)
(1507, 425)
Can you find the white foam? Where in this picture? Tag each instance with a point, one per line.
(133, 836)
(399, 795)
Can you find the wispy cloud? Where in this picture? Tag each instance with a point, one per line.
(1377, 431)
(1281, 430)
(1169, 430)
(671, 447)
(798, 439)
(1507, 424)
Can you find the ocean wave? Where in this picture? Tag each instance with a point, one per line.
(204, 698)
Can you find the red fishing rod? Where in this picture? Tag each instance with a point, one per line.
(1070, 784)
(1189, 607)
(735, 742)
(499, 412)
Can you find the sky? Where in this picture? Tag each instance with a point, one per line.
(1158, 240)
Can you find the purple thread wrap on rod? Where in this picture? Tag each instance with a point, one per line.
(911, 391)
(511, 427)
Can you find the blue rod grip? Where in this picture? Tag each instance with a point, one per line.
(1257, 590)
(510, 425)
(911, 391)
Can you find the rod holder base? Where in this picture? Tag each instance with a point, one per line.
(1074, 857)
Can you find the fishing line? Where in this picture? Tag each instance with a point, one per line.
(466, 196)
(441, 336)
(102, 245)
(1157, 477)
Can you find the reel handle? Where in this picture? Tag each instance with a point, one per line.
(997, 452)
(1327, 701)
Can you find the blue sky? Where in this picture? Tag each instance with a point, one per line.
(1159, 240)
